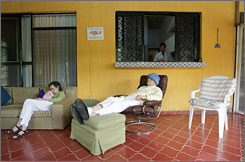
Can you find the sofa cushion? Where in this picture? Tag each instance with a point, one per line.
(45, 89)
(41, 94)
(103, 121)
(15, 110)
(5, 97)
(20, 94)
(41, 114)
(9, 91)
(11, 110)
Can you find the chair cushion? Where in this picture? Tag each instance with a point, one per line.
(206, 103)
(216, 89)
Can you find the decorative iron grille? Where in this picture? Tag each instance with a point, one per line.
(187, 44)
(130, 36)
(130, 39)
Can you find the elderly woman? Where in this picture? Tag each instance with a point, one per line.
(38, 104)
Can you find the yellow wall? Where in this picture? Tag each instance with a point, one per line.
(99, 56)
(242, 6)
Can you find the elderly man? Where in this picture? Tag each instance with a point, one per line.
(118, 104)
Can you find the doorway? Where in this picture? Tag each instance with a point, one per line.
(239, 106)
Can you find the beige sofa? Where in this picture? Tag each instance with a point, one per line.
(58, 117)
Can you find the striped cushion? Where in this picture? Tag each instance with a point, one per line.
(217, 89)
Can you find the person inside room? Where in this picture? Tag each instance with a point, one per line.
(163, 56)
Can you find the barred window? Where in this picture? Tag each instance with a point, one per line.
(139, 35)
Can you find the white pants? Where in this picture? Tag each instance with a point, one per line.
(31, 105)
(117, 104)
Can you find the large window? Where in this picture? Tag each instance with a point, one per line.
(38, 49)
(139, 35)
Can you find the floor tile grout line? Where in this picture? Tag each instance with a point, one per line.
(122, 157)
(77, 157)
(40, 149)
(207, 136)
(86, 157)
(72, 153)
(108, 156)
(198, 142)
(140, 154)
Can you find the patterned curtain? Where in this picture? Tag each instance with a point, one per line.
(54, 51)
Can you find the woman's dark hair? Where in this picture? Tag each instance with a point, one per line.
(56, 84)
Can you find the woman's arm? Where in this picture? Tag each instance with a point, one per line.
(59, 98)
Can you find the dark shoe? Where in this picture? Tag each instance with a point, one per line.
(77, 115)
(81, 110)
(11, 132)
(25, 132)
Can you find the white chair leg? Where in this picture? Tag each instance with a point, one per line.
(221, 114)
(191, 116)
(203, 116)
(226, 120)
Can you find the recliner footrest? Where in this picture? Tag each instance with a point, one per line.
(100, 133)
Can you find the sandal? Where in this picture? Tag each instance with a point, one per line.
(25, 132)
(11, 132)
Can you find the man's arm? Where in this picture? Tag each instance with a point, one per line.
(156, 95)
(156, 57)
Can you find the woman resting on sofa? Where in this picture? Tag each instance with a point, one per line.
(39, 104)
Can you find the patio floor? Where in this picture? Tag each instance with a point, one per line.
(171, 141)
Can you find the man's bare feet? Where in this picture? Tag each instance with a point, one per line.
(97, 107)
(93, 114)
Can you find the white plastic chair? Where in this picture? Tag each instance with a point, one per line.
(215, 93)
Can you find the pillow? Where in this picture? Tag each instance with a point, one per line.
(48, 95)
(41, 94)
(4, 96)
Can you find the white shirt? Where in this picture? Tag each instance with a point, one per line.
(166, 57)
(151, 92)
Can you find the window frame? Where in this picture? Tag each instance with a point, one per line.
(20, 62)
(144, 64)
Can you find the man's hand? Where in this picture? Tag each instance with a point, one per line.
(140, 97)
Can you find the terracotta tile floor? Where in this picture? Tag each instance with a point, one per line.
(171, 141)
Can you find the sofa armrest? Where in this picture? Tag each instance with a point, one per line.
(61, 113)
